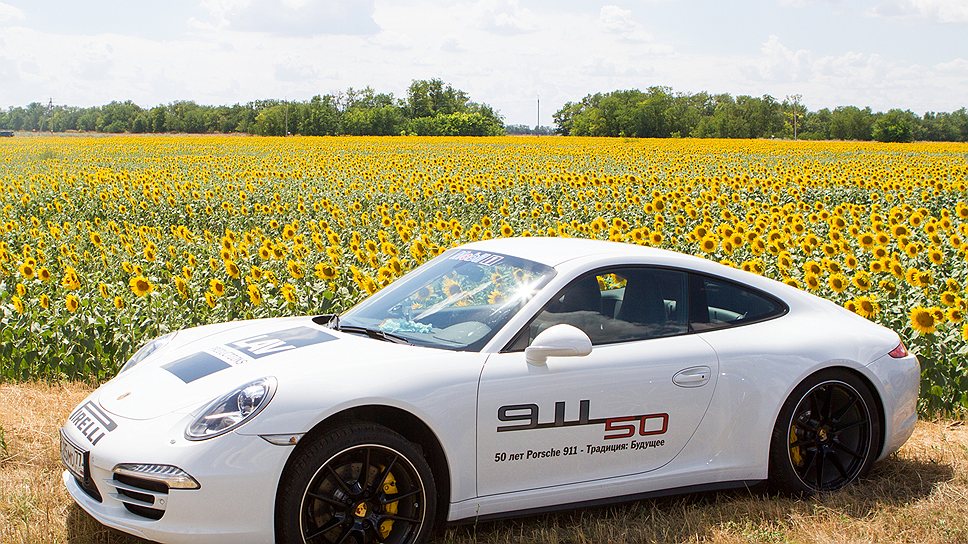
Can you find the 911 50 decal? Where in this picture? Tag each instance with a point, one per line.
(614, 428)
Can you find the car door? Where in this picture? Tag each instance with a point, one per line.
(629, 407)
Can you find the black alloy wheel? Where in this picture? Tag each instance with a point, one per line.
(359, 485)
(828, 438)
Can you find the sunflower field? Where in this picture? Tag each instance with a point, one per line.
(106, 242)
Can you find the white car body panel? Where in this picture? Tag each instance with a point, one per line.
(717, 429)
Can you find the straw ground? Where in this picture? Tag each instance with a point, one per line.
(918, 495)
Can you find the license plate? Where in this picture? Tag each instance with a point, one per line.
(73, 457)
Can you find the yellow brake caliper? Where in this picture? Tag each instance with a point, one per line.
(389, 488)
(795, 450)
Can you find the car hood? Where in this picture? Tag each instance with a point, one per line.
(204, 363)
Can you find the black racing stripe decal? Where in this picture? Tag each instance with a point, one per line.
(264, 345)
(196, 366)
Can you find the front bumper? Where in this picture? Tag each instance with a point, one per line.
(238, 476)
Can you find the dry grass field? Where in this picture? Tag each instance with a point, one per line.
(918, 495)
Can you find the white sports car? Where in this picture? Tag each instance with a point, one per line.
(502, 377)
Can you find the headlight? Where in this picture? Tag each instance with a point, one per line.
(229, 411)
(147, 350)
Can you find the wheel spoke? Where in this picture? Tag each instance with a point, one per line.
(847, 450)
(347, 530)
(327, 499)
(830, 401)
(843, 411)
(387, 499)
(327, 527)
(814, 408)
(809, 425)
(839, 465)
(364, 469)
(810, 461)
(378, 483)
(847, 426)
(339, 481)
(395, 517)
(376, 533)
(823, 460)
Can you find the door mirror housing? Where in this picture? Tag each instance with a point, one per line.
(558, 341)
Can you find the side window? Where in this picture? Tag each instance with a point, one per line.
(718, 303)
(617, 305)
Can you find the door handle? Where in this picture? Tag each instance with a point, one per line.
(695, 376)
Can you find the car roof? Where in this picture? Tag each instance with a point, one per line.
(553, 251)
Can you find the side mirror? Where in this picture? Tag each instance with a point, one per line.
(558, 341)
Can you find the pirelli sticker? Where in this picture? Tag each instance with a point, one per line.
(218, 358)
(93, 422)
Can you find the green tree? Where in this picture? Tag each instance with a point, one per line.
(851, 123)
(895, 126)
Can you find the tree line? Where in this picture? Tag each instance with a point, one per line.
(658, 112)
(431, 108)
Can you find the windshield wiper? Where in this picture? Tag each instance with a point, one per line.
(332, 321)
(374, 333)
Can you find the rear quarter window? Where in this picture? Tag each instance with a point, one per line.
(718, 303)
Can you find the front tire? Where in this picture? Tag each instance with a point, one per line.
(826, 435)
(359, 483)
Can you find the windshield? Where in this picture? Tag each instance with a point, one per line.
(457, 301)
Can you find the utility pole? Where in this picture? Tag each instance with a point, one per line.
(537, 128)
(50, 114)
(794, 99)
(287, 119)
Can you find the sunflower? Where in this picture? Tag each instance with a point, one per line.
(21, 290)
(451, 288)
(709, 244)
(496, 297)
(18, 305)
(231, 268)
(44, 301)
(216, 287)
(838, 282)
(255, 297)
(949, 298)
(27, 271)
(44, 274)
(70, 280)
(72, 303)
(210, 299)
(103, 290)
(867, 307)
(289, 293)
(862, 281)
(922, 320)
(325, 271)
(954, 315)
(812, 281)
(295, 269)
(181, 286)
(140, 286)
(119, 303)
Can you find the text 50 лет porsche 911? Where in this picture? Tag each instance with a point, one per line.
(502, 377)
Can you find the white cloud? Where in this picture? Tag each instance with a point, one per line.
(9, 14)
(503, 16)
(291, 17)
(942, 11)
(619, 21)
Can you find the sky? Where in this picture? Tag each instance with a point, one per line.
(908, 54)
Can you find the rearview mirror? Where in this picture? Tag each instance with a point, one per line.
(558, 341)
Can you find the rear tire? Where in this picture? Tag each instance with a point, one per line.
(827, 434)
(357, 484)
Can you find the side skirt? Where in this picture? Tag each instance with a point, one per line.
(701, 488)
